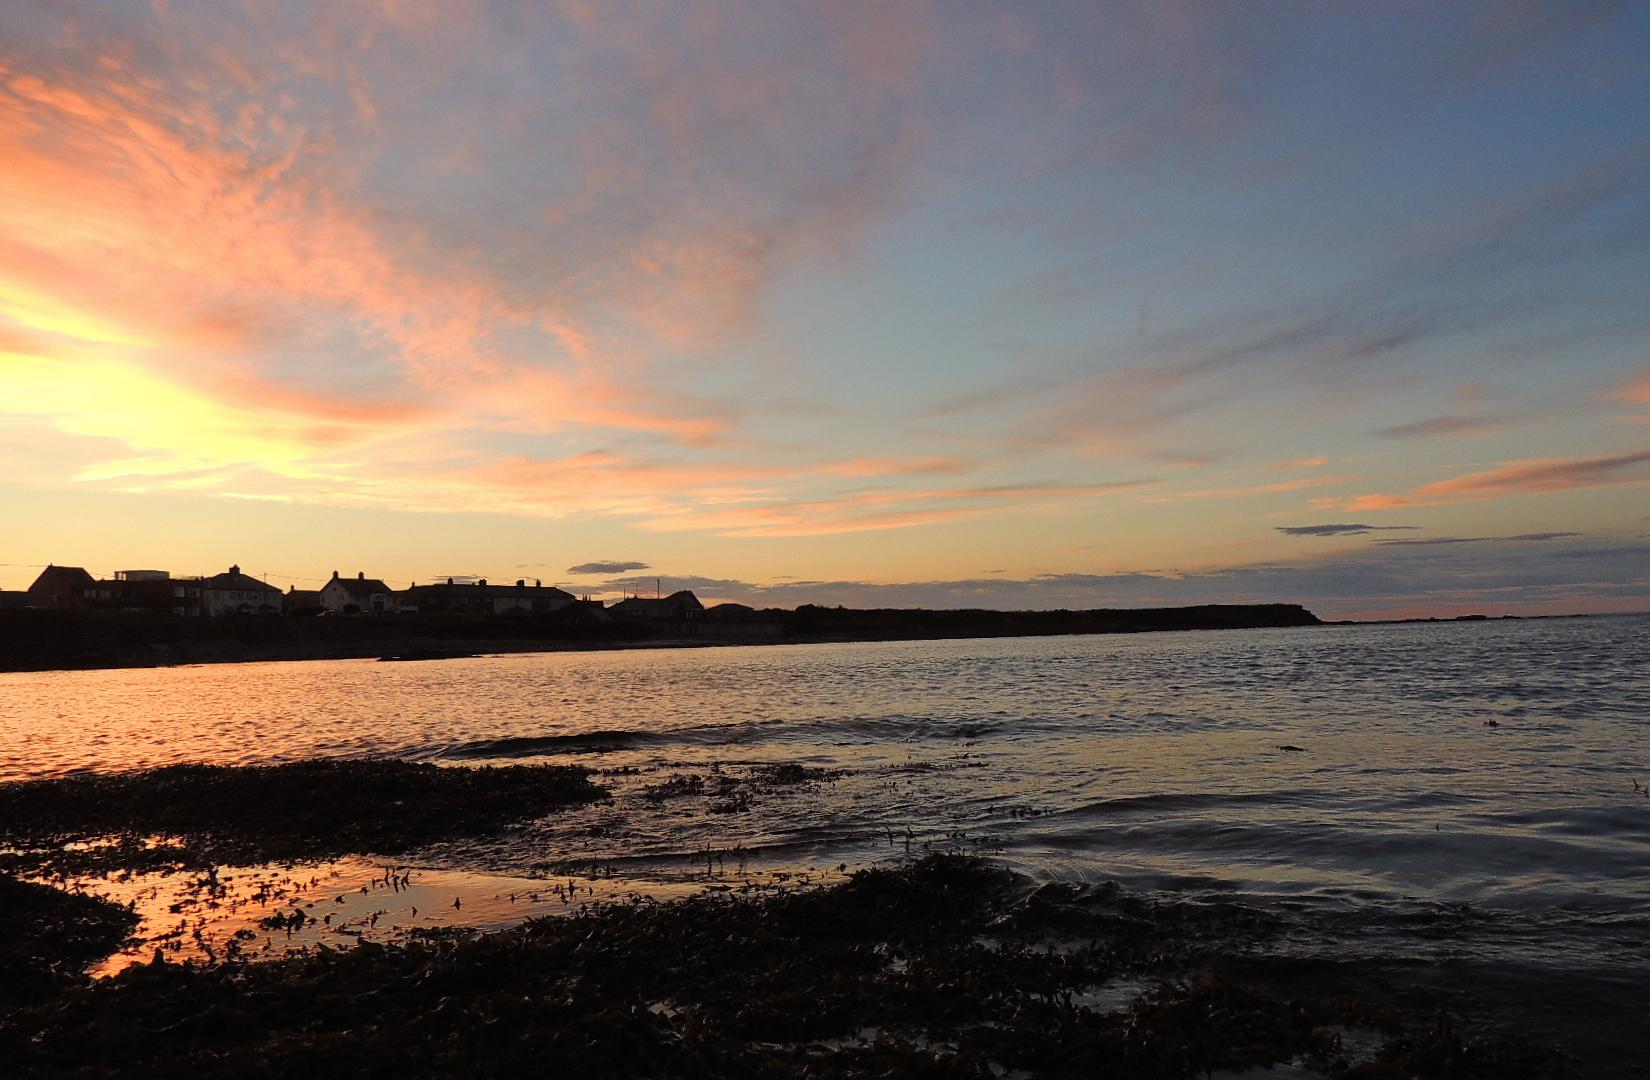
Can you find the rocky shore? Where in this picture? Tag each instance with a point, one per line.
(943, 966)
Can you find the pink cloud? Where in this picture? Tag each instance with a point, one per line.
(889, 466)
(1245, 490)
(1517, 478)
(877, 509)
(1636, 392)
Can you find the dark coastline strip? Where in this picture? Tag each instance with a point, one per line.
(49, 640)
(248, 814)
(945, 967)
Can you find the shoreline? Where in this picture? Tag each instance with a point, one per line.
(48, 641)
(943, 964)
(426, 650)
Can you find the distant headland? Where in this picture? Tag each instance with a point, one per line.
(69, 619)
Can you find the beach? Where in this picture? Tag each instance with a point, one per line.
(1367, 851)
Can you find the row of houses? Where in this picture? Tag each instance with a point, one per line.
(157, 592)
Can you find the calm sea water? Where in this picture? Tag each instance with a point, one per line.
(1462, 793)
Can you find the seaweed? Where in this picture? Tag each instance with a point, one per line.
(213, 814)
(50, 937)
(945, 966)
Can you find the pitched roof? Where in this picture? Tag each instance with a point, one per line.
(361, 586)
(477, 588)
(63, 577)
(675, 601)
(235, 581)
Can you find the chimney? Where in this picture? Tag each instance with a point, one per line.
(520, 582)
(234, 569)
(360, 575)
(482, 582)
(335, 575)
(449, 581)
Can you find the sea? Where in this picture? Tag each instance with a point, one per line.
(1470, 800)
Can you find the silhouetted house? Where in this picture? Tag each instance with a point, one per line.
(13, 599)
(65, 588)
(680, 606)
(481, 599)
(589, 610)
(741, 622)
(359, 595)
(304, 601)
(731, 613)
(156, 592)
(235, 593)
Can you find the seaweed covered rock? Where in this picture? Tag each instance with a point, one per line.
(50, 937)
(302, 810)
(942, 968)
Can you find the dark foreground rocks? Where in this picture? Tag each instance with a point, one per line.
(945, 967)
(210, 815)
(48, 936)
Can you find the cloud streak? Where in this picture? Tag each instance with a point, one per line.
(1437, 426)
(1544, 476)
(1347, 529)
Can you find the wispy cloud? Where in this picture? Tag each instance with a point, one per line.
(1636, 392)
(1239, 491)
(1523, 538)
(1518, 478)
(1437, 426)
(1338, 529)
(216, 196)
(875, 510)
(871, 467)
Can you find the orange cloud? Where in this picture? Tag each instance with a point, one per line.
(211, 201)
(875, 466)
(1248, 490)
(1517, 478)
(875, 510)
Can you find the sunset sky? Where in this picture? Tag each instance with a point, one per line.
(952, 304)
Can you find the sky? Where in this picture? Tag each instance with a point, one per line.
(945, 304)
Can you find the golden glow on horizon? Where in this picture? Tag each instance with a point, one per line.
(175, 429)
(36, 311)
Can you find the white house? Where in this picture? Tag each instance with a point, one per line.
(359, 595)
(235, 593)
